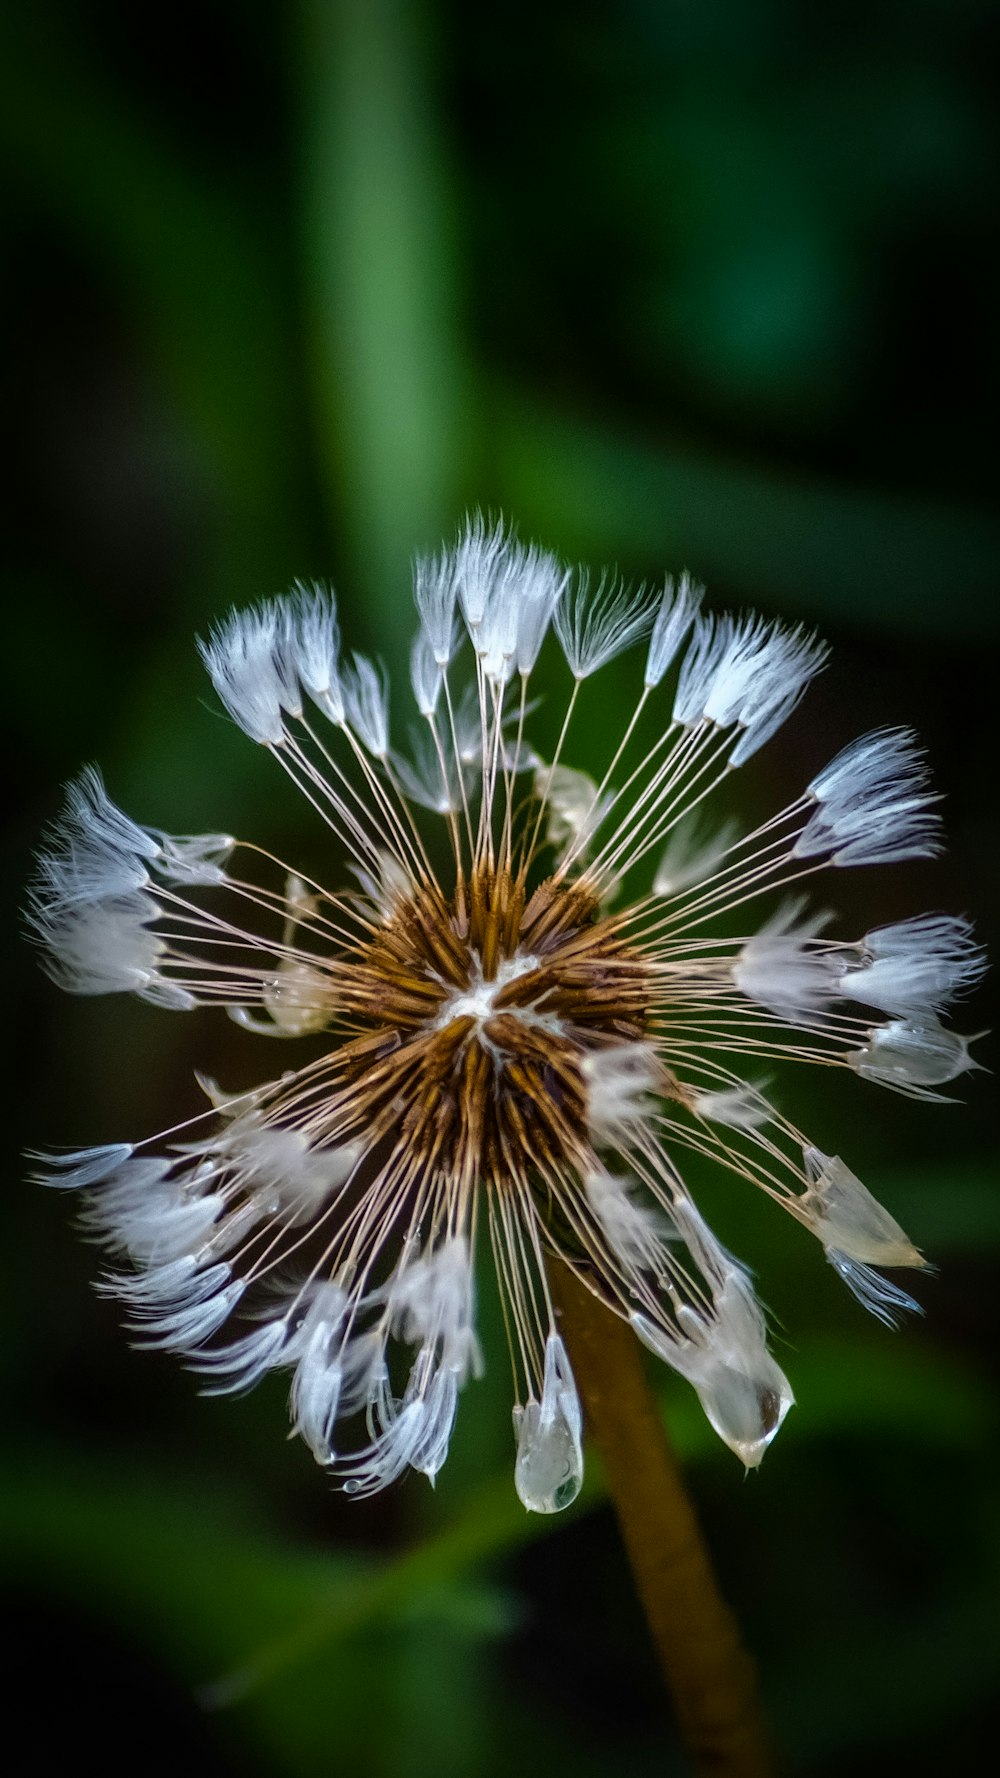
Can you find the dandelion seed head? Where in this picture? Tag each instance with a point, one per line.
(519, 997)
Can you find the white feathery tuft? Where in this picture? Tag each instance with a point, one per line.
(366, 700)
(247, 657)
(426, 675)
(692, 853)
(182, 1283)
(82, 1167)
(153, 1219)
(176, 1307)
(431, 1302)
(508, 593)
(620, 1081)
(779, 671)
(739, 1107)
(887, 1302)
(94, 851)
(395, 1448)
(635, 1231)
(477, 559)
(542, 592)
(311, 645)
(573, 809)
(595, 627)
(873, 804)
(421, 778)
(777, 969)
(678, 608)
(193, 858)
(317, 1350)
(106, 947)
(91, 817)
(710, 639)
(436, 1389)
(297, 1175)
(915, 967)
(243, 1363)
(434, 591)
(748, 672)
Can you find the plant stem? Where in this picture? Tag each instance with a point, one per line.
(708, 1672)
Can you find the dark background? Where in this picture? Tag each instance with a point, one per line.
(671, 283)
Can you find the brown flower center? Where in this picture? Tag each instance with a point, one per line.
(474, 1016)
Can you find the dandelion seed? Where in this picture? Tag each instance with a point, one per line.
(782, 971)
(915, 967)
(485, 1044)
(692, 854)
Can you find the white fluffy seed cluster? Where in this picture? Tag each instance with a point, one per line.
(295, 1227)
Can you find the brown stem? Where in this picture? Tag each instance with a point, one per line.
(708, 1672)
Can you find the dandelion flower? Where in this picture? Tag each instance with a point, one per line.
(511, 1024)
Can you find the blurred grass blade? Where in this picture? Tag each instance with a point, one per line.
(380, 290)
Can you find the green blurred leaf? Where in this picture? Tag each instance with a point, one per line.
(197, 1574)
(880, 1687)
(191, 253)
(956, 1209)
(882, 1385)
(880, 561)
(163, 1560)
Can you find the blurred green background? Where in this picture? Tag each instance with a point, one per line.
(671, 283)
